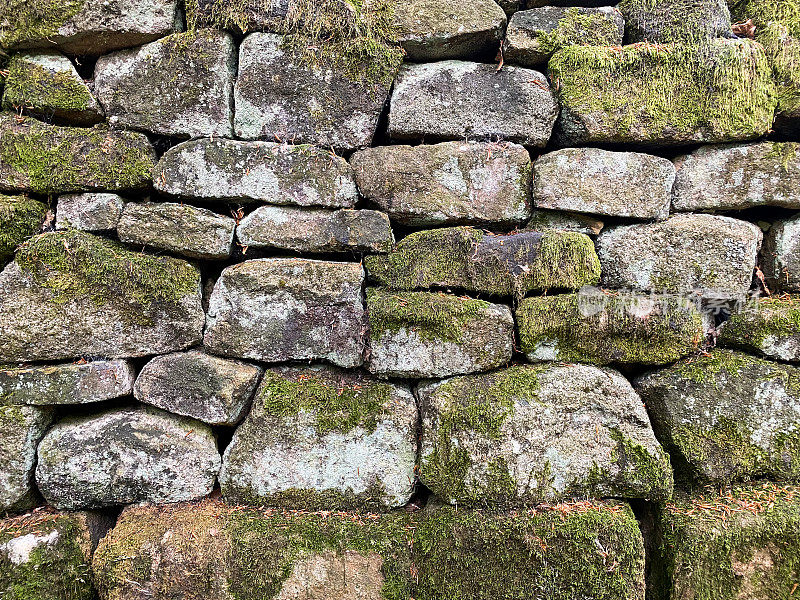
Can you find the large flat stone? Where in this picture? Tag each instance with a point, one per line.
(770, 328)
(21, 429)
(71, 294)
(455, 100)
(449, 183)
(532, 434)
(281, 309)
(322, 438)
(20, 219)
(89, 212)
(780, 256)
(180, 85)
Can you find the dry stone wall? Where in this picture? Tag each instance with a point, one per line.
(431, 299)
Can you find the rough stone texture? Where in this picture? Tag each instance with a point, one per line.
(706, 254)
(597, 328)
(320, 437)
(664, 21)
(471, 260)
(280, 96)
(591, 180)
(124, 456)
(47, 85)
(727, 416)
(431, 30)
(21, 429)
(20, 219)
(455, 100)
(194, 384)
(738, 176)
(316, 230)
(533, 35)
(447, 184)
(180, 85)
(564, 221)
(48, 555)
(780, 256)
(281, 309)
(263, 171)
(742, 544)
(77, 383)
(70, 294)
(419, 334)
(89, 212)
(47, 159)
(529, 434)
(771, 328)
(663, 94)
(179, 228)
(83, 27)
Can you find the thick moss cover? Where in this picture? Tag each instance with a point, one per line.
(756, 330)
(31, 85)
(20, 219)
(578, 26)
(27, 20)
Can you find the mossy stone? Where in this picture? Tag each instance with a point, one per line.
(665, 21)
(20, 218)
(770, 328)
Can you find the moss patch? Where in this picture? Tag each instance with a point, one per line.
(25, 20)
(20, 219)
(31, 85)
(578, 26)
(775, 318)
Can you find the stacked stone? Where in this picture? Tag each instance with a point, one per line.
(393, 274)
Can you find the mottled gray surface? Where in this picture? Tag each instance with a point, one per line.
(89, 212)
(564, 221)
(591, 180)
(780, 256)
(448, 183)
(124, 456)
(21, 428)
(194, 384)
(770, 327)
(455, 99)
(664, 21)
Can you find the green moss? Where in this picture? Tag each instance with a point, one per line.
(31, 85)
(785, 151)
(20, 219)
(25, 20)
(707, 367)
(665, 21)
(565, 259)
(578, 26)
(775, 318)
(644, 473)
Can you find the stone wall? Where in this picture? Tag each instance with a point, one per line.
(431, 299)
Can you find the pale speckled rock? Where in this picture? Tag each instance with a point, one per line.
(770, 327)
(194, 384)
(316, 230)
(455, 99)
(179, 228)
(263, 171)
(707, 254)
(180, 85)
(449, 183)
(664, 21)
(46, 84)
(85, 27)
(321, 430)
(89, 212)
(21, 429)
(124, 456)
(421, 334)
(77, 383)
(281, 309)
(591, 180)
(738, 176)
(727, 416)
(564, 221)
(431, 30)
(780, 256)
(335, 575)
(551, 432)
(278, 96)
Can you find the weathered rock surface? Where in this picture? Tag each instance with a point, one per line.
(431, 30)
(194, 384)
(21, 429)
(124, 456)
(531, 434)
(280, 96)
(71, 294)
(449, 183)
(456, 100)
(263, 171)
(706, 254)
(20, 219)
(323, 438)
(83, 27)
(420, 334)
(564, 221)
(771, 328)
(180, 85)
(47, 159)
(534, 35)
(780, 256)
(591, 180)
(89, 212)
(179, 228)
(47, 85)
(282, 309)
(316, 230)
(738, 176)
(598, 328)
(77, 383)
(469, 259)
(664, 21)
(728, 416)
(718, 92)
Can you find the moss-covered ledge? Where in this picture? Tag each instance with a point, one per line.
(20, 219)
